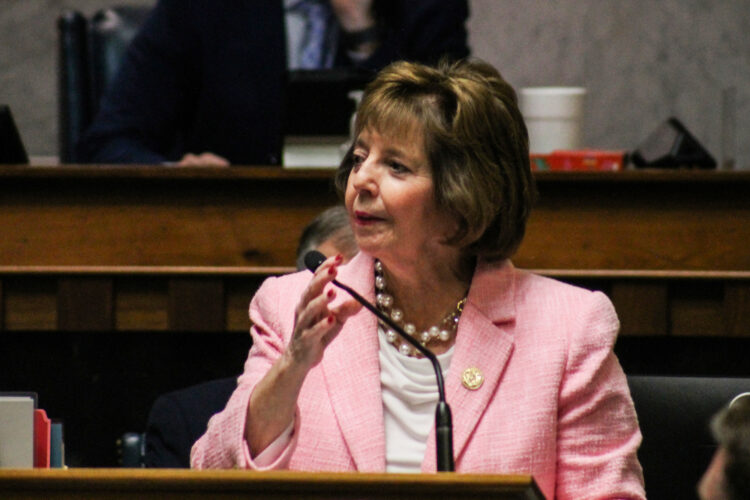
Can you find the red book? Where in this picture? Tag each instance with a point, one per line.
(42, 427)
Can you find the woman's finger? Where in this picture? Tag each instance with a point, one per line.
(325, 273)
(346, 309)
(310, 343)
(313, 311)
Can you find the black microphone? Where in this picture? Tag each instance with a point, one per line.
(443, 422)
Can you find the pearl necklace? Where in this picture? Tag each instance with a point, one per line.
(442, 332)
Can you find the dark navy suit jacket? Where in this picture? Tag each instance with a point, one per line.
(177, 419)
(208, 75)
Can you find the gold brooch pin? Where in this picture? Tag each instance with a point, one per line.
(472, 378)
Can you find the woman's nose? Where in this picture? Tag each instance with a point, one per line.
(364, 178)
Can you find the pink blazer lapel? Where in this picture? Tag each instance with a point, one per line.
(351, 368)
(484, 341)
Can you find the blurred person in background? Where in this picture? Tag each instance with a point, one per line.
(329, 233)
(728, 475)
(202, 83)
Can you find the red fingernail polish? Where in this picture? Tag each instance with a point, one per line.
(330, 294)
(330, 270)
(339, 258)
(330, 319)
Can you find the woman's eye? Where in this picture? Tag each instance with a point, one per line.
(357, 159)
(398, 167)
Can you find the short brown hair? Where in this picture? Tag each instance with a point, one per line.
(475, 140)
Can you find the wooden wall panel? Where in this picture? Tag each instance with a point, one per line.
(197, 305)
(737, 309)
(240, 292)
(85, 304)
(197, 300)
(641, 307)
(697, 309)
(141, 304)
(30, 304)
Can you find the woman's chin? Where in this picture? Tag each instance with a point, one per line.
(372, 249)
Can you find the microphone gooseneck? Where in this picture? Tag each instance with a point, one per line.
(443, 422)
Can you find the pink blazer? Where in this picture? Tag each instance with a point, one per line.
(554, 402)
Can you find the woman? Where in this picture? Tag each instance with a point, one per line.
(438, 188)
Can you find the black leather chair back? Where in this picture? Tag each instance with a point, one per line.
(74, 93)
(90, 52)
(674, 415)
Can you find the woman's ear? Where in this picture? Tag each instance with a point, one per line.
(451, 229)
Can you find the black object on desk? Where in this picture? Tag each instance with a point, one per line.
(11, 147)
(671, 145)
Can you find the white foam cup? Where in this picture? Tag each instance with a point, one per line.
(554, 117)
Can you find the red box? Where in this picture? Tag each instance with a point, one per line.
(579, 160)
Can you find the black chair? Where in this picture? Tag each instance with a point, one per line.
(674, 415)
(131, 450)
(90, 51)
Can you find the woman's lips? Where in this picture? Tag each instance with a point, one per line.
(365, 218)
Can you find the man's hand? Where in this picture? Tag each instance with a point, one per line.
(203, 160)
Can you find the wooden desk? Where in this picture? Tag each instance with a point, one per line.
(155, 215)
(166, 216)
(168, 484)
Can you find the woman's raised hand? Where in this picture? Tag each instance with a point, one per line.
(317, 321)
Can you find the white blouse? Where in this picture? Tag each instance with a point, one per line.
(409, 398)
